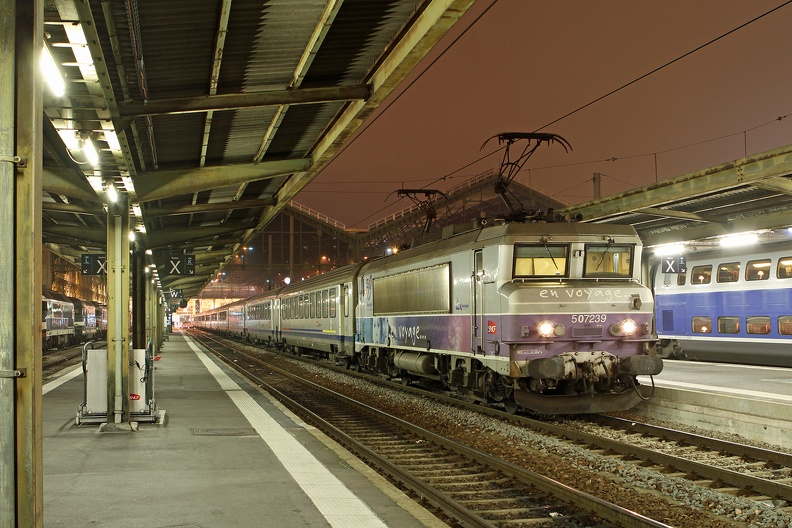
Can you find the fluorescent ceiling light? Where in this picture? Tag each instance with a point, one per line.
(51, 73)
(90, 152)
(739, 240)
(669, 249)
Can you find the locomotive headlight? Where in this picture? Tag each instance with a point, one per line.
(624, 328)
(550, 329)
(546, 328)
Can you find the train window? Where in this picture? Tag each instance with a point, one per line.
(758, 270)
(306, 309)
(729, 272)
(757, 324)
(325, 302)
(728, 325)
(540, 261)
(608, 260)
(701, 274)
(785, 325)
(702, 324)
(784, 270)
(313, 305)
(332, 303)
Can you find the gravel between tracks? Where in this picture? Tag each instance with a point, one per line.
(633, 487)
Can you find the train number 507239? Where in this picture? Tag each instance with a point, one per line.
(588, 318)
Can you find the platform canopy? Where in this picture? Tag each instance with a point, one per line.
(210, 116)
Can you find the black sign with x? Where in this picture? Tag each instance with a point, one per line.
(93, 264)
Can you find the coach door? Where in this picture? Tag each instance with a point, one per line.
(477, 301)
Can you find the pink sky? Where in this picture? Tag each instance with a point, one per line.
(524, 64)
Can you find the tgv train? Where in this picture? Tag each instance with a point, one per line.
(68, 320)
(544, 316)
(732, 305)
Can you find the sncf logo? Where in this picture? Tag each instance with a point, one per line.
(492, 328)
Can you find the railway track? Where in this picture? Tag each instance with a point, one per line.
(55, 359)
(471, 487)
(747, 484)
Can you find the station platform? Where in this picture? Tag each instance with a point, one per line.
(225, 455)
(751, 401)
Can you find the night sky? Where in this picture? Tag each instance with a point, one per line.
(520, 65)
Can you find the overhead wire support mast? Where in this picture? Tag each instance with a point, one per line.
(510, 168)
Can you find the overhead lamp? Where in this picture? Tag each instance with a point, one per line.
(51, 73)
(112, 194)
(739, 240)
(669, 249)
(90, 151)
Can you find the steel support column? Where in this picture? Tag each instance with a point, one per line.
(118, 312)
(21, 459)
(139, 295)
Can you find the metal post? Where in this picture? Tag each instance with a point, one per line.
(597, 185)
(138, 298)
(21, 40)
(118, 312)
(7, 172)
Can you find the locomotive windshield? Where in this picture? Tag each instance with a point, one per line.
(608, 260)
(541, 261)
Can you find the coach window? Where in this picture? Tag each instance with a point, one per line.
(313, 305)
(729, 272)
(785, 325)
(325, 302)
(758, 270)
(757, 324)
(701, 275)
(702, 325)
(784, 270)
(728, 325)
(332, 303)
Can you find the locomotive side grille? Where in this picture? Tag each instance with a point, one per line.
(589, 331)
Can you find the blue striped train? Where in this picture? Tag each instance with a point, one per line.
(731, 305)
(550, 317)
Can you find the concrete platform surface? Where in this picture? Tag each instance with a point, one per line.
(225, 455)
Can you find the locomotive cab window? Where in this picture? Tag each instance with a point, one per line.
(784, 270)
(729, 272)
(608, 260)
(540, 261)
(701, 274)
(758, 270)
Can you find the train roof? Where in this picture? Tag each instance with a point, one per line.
(474, 234)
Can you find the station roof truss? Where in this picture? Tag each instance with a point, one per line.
(210, 119)
(751, 194)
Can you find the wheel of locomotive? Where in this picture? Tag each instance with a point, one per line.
(511, 406)
(405, 378)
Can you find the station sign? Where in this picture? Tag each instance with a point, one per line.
(93, 263)
(176, 294)
(181, 265)
(674, 265)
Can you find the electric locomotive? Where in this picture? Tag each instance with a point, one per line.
(551, 317)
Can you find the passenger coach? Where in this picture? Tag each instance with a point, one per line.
(732, 305)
